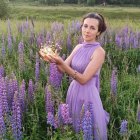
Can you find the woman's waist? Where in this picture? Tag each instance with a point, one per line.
(92, 81)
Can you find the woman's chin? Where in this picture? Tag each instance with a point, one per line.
(89, 41)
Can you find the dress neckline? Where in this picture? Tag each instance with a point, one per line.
(87, 44)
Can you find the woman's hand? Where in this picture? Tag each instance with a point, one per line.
(45, 57)
(53, 58)
(56, 59)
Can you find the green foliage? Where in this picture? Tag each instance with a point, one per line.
(90, 2)
(112, 2)
(50, 2)
(4, 10)
(123, 1)
(71, 1)
(123, 60)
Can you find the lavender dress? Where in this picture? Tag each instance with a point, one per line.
(81, 94)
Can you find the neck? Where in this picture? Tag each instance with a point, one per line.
(90, 42)
(93, 41)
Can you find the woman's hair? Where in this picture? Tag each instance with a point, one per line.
(102, 25)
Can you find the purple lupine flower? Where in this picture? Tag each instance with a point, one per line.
(49, 102)
(69, 45)
(10, 93)
(114, 82)
(9, 42)
(118, 41)
(123, 127)
(138, 36)
(21, 56)
(1, 71)
(21, 47)
(31, 96)
(56, 122)
(63, 114)
(2, 123)
(26, 25)
(22, 95)
(15, 85)
(40, 40)
(126, 40)
(131, 39)
(78, 26)
(48, 37)
(135, 45)
(60, 119)
(16, 123)
(57, 27)
(32, 38)
(3, 52)
(74, 27)
(77, 124)
(3, 93)
(50, 119)
(87, 126)
(138, 113)
(37, 68)
(89, 106)
(58, 45)
(55, 77)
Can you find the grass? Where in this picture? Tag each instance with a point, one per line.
(68, 12)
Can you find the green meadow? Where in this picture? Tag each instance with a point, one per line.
(123, 15)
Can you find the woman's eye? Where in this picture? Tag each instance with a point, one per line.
(92, 28)
(85, 26)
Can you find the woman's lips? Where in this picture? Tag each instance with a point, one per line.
(86, 36)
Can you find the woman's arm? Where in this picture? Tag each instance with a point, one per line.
(67, 61)
(95, 63)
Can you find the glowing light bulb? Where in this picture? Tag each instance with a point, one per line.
(48, 51)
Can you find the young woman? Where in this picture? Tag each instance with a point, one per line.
(84, 65)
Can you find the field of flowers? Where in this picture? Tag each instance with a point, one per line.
(32, 92)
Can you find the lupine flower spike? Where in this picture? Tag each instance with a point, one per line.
(114, 84)
(123, 128)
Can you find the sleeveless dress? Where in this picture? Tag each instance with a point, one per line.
(81, 94)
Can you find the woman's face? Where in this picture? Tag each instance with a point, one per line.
(90, 29)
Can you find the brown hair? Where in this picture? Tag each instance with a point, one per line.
(102, 25)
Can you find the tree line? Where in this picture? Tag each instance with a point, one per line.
(86, 2)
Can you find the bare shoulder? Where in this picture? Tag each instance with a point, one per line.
(99, 51)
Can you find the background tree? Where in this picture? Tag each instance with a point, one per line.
(4, 9)
(90, 2)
